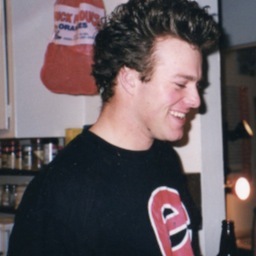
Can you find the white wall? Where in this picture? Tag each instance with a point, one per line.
(212, 163)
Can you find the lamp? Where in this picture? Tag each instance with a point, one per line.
(239, 186)
(243, 130)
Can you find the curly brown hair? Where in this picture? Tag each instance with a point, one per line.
(127, 37)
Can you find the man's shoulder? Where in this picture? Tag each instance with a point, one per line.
(80, 150)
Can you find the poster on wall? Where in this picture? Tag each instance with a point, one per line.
(68, 58)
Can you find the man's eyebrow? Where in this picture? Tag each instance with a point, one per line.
(188, 77)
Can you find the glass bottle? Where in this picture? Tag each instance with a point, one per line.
(5, 150)
(6, 196)
(37, 154)
(27, 157)
(18, 157)
(11, 155)
(228, 240)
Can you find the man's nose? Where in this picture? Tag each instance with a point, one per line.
(193, 98)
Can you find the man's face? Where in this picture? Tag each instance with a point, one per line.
(164, 102)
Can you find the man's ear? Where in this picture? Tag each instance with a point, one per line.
(128, 79)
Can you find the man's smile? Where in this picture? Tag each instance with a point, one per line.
(178, 114)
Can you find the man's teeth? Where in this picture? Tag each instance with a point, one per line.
(178, 114)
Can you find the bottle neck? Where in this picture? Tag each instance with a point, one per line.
(228, 240)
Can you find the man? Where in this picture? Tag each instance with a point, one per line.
(118, 189)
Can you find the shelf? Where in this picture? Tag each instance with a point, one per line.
(16, 172)
(7, 210)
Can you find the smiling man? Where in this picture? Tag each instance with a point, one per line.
(141, 111)
(118, 188)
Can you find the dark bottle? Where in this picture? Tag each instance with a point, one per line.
(228, 240)
(5, 151)
(18, 157)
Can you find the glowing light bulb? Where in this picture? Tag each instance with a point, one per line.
(248, 128)
(242, 188)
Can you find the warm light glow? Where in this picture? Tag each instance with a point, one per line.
(248, 128)
(242, 188)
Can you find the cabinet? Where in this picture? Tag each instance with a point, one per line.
(29, 108)
(3, 69)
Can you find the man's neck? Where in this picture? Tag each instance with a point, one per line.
(120, 130)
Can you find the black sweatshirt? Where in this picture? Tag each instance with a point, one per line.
(98, 199)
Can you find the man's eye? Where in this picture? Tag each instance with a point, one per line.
(180, 85)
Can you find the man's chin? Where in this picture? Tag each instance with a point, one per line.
(176, 137)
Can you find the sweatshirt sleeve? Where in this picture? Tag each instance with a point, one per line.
(36, 231)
